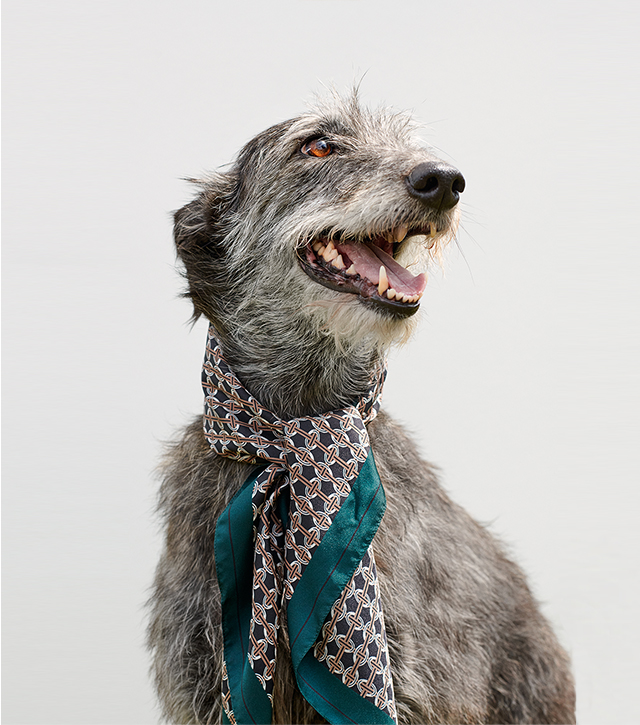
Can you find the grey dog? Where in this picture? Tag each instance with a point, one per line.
(270, 252)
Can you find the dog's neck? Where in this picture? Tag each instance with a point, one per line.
(299, 374)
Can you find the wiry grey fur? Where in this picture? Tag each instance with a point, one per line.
(467, 641)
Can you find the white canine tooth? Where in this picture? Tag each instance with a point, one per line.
(401, 232)
(431, 237)
(391, 293)
(351, 270)
(338, 262)
(383, 284)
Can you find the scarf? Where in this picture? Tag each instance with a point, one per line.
(295, 543)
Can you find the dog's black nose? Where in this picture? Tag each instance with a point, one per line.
(436, 184)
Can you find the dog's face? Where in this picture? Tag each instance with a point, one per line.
(331, 216)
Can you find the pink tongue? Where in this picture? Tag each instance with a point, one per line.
(367, 260)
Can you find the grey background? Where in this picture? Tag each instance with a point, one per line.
(522, 383)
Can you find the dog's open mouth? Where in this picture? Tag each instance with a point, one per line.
(368, 269)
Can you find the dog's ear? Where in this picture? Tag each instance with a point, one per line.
(198, 231)
(190, 225)
(200, 221)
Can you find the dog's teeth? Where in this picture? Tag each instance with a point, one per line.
(320, 250)
(431, 236)
(383, 284)
(401, 232)
(338, 262)
(391, 293)
(351, 270)
(330, 252)
(406, 298)
(316, 246)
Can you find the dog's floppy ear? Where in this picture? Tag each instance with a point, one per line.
(190, 225)
(199, 222)
(198, 231)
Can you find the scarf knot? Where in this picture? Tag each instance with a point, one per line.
(297, 537)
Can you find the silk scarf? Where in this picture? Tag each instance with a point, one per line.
(294, 544)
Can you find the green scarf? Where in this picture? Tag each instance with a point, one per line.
(297, 537)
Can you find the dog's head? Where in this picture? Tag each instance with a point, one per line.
(330, 217)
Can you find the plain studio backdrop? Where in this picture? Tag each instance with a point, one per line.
(521, 384)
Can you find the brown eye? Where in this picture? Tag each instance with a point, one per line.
(318, 147)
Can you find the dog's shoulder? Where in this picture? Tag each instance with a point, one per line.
(197, 483)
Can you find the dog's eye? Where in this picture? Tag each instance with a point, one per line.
(318, 147)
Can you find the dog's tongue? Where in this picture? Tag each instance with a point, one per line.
(367, 259)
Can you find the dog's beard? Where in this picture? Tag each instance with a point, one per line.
(351, 323)
(349, 318)
(274, 288)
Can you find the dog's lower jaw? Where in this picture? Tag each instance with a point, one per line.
(386, 308)
(351, 319)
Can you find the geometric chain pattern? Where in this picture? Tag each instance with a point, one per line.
(226, 695)
(353, 641)
(313, 462)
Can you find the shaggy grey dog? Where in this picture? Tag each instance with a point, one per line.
(280, 254)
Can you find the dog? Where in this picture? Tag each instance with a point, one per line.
(306, 256)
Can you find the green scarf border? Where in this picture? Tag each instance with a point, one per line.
(329, 571)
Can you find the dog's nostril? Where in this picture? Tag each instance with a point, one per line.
(436, 184)
(427, 184)
(458, 184)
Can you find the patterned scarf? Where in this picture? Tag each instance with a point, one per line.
(297, 539)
